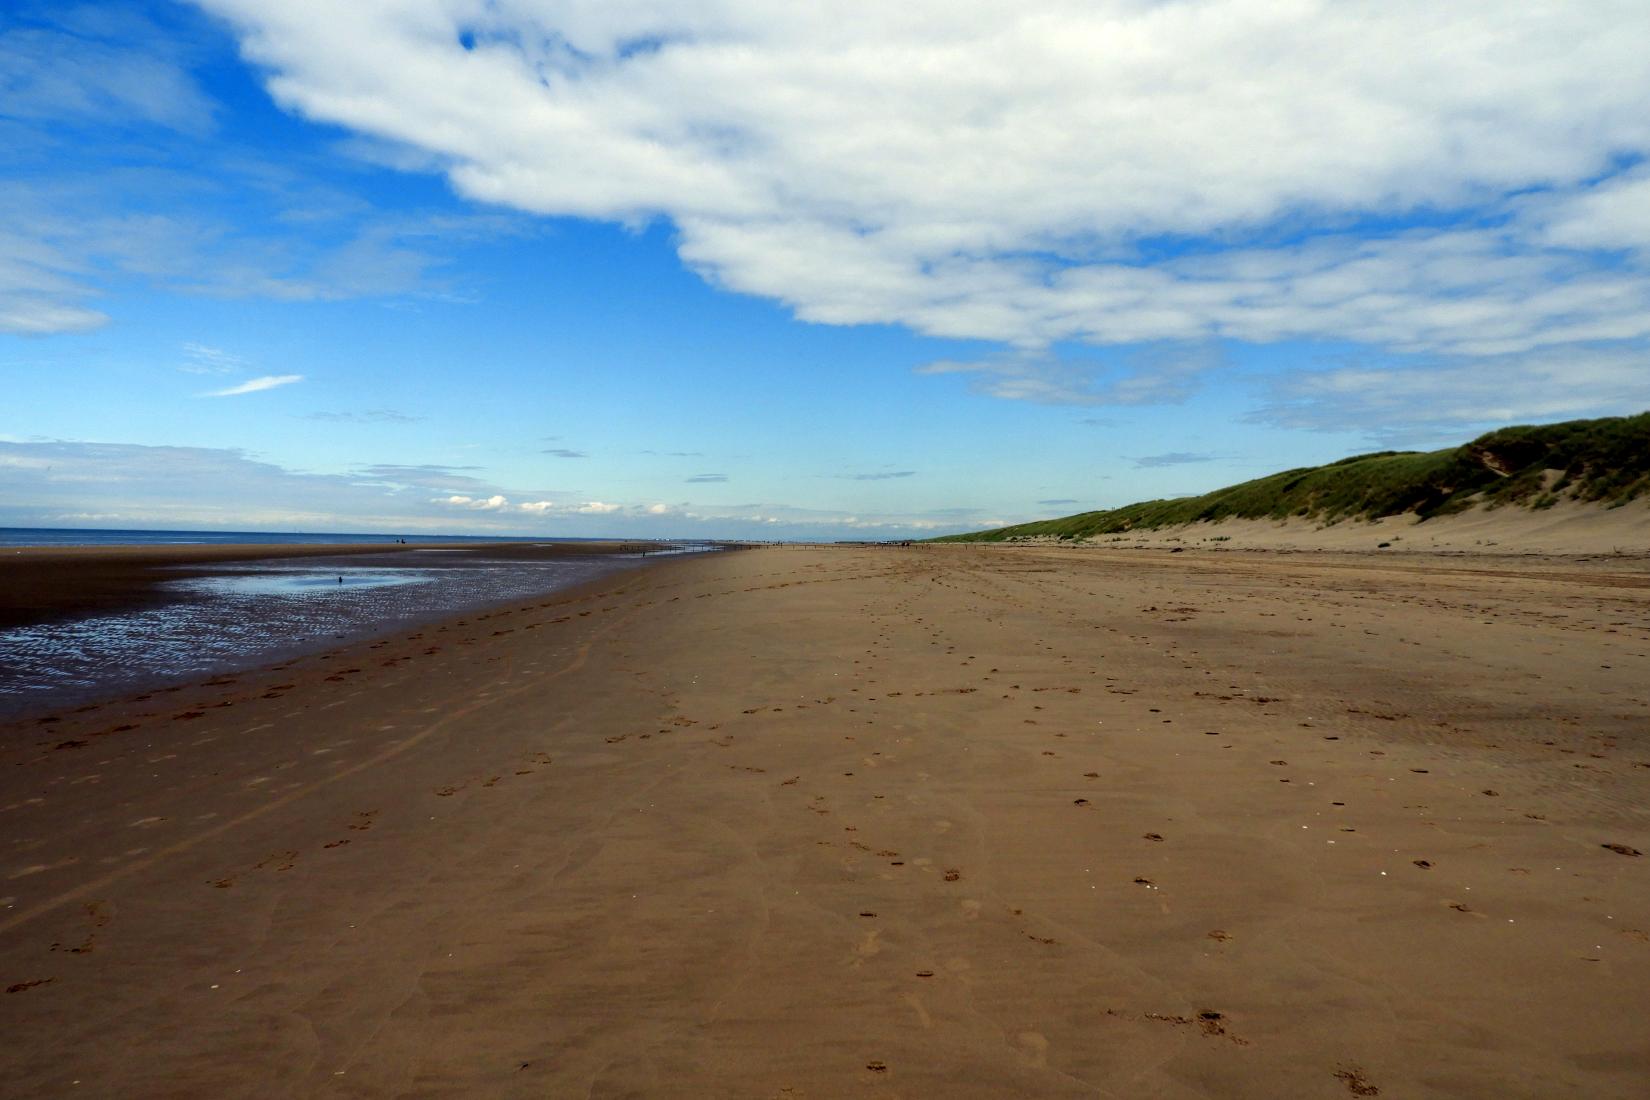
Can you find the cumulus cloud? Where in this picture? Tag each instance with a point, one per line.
(706, 479)
(577, 508)
(257, 385)
(563, 452)
(484, 504)
(1057, 170)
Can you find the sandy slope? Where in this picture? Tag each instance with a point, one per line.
(940, 821)
(1566, 528)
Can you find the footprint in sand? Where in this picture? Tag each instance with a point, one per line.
(1033, 1049)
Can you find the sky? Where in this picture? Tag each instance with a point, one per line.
(849, 269)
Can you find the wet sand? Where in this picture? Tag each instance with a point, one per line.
(831, 822)
(45, 583)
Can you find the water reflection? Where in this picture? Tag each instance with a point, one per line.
(245, 614)
(300, 582)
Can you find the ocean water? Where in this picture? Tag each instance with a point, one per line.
(69, 536)
(232, 616)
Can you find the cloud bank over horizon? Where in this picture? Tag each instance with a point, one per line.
(123, 485)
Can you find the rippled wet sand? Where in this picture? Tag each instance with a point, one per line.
(244, 614)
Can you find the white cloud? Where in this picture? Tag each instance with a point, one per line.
(1615, 215)
(494, 503)
(205, 359)
(1146, 376)
(1031, 173)
(123, 484)
(1438, 402)
(65, 72)
(257, 385)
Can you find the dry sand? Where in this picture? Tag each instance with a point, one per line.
(940, 821)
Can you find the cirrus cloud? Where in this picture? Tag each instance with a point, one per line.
(257, 385)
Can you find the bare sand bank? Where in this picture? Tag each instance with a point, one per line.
(939, 821)
(1566, 528)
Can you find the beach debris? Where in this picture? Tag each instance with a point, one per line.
(1356, 1082)
(1622, 849)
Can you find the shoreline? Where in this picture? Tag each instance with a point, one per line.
(959, 821)
(102, 624)
(40, 584)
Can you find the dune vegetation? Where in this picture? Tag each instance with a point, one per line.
(1606, 461)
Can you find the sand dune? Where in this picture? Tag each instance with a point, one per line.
(1569, 527)
(938, 821)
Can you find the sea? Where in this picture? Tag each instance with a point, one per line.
(227, 617)
(72, 536)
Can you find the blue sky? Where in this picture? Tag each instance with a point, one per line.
(748, 270)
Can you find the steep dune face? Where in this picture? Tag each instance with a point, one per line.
(1603, 462)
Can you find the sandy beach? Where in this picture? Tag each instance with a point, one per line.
(821, 822)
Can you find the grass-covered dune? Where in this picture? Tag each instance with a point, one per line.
(1606, 461)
